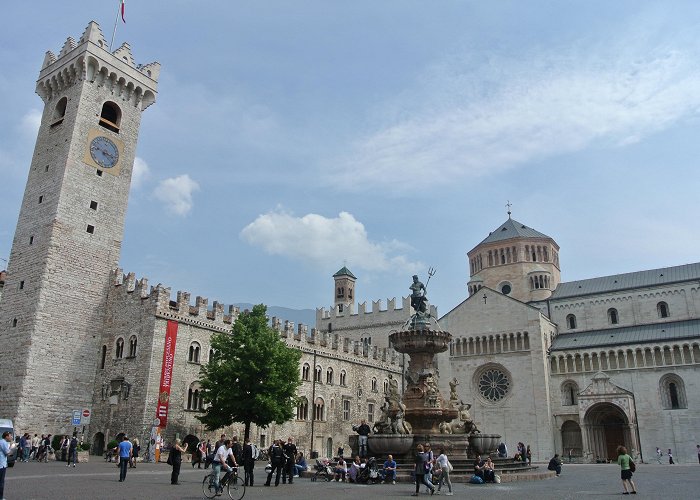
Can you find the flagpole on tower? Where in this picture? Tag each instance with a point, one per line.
(120, 10)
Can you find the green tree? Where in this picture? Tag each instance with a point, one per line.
(252, 377)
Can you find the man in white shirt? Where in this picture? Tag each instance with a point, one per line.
(220, 461)
(6, 446)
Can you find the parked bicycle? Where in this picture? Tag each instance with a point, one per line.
(230, 483)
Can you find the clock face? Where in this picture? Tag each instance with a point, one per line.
(104, 152)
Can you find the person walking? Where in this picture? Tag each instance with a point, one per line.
(670, 457)
(135, 454)
(6, 447)
(35, 447)
(125, 450)
(72, 452)
(623, 460)
(420, 469)
(444, 464)
(659, 454)
(175, 460)
(248, 462)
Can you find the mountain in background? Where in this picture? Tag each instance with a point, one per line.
(303, 316)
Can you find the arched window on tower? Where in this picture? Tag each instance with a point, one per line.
(662, 309)
(672, 392)
(110, 116)
(571, 322)
(59, 111)
(104, 357)
(119, 351)
(612, 316)
(132, 346)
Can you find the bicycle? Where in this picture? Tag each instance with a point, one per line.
(230, 483)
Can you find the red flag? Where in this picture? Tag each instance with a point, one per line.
(122, 10)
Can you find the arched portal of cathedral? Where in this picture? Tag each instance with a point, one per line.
(607, 427)
(572, 442)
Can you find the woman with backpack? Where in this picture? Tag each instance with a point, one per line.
(626, 465)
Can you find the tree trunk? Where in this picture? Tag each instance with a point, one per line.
(246, 434)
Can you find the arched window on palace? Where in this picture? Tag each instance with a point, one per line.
(374, 384)
(319, 409)
(612, 316)
(317, 374)
(386, 386)
(662, 309)
(672, 392)
(571, 322)
(329, 376)
(119, 351)
(193, 354)
(132, 346)
(343, 378)
(305, 371)
(194, 397)
(303, 409)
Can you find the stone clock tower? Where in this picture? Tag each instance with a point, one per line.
(70, 229)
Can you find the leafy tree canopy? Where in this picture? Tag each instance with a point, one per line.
(252, 377)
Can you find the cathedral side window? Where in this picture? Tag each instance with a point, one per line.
(193, 353)
(305, 370)
(110, 116)
(672, 392)
(493, 383)
(662, 309)
(612, 316)
(132, 346)
(571, 321)
(569, 393)
(119, 351)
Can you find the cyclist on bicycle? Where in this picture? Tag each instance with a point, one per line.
(222, 454)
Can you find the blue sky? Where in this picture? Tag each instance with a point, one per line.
(292, 138)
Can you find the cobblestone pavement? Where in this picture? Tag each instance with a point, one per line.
(98, 480)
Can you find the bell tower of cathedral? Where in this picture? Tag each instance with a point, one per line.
(70, 229)
(344, 293)
(515, 260)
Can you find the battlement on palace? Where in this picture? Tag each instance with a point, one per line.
(89, 59)
(330, 343)
(375, 313)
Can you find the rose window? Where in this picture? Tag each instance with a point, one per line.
(493, 384)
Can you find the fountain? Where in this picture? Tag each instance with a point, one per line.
(424, 415)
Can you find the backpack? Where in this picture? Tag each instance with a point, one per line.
(254, 451)
(277, 455)
(476, 480)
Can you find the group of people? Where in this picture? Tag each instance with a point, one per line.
(431, 471)
(284, 460)
(38, 448)
(660, 454)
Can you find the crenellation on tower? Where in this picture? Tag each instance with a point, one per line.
(68, 47)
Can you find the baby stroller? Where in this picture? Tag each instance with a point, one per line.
(323, 469)
(370, 473)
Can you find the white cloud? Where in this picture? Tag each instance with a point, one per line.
(30, 123)
(473, 118)
(140, 173)
(176, 193)
(323, 241)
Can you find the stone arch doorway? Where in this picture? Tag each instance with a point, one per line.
(571, 439)
(98, 444)
(329, 447)
(191, 441)
(607, 428)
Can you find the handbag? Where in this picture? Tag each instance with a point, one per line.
(497, 478)
(170, 459)
(633, 466)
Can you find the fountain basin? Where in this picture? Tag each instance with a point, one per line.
(385, 444)
(484, 444)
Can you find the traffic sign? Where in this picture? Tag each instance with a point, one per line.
(76, 417)
(86, 416)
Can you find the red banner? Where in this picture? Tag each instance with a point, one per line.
(166, 374)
